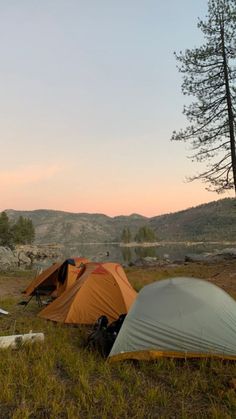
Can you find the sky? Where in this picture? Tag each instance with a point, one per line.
(90, 96)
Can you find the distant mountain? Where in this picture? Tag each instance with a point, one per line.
(71, 228)
(213, 221)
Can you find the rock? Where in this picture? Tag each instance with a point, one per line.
(149, 261)
(39, 252)
(7, 259)
(23, 259)
(217, 256)
(228, 253)
(197, 258)
(26, 255)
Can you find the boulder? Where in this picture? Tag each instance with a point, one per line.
(228, 253)
(148, 261)
(39, 252)
(26, 255)
(202, 257)
(23, 259)
(7, 259)
(217, 256)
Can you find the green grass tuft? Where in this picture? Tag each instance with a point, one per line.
(59, 378)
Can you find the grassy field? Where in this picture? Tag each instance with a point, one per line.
(59, 378)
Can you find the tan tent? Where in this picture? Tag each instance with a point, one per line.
(178, 318)
(57, 278)
(102, 289)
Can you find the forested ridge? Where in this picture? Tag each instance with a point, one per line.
(215, 221)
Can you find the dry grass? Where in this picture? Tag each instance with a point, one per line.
(61, 379)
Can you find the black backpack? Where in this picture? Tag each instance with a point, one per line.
(103, 336)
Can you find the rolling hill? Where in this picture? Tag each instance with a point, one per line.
(213, 221)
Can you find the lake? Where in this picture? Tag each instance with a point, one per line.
(104, 252)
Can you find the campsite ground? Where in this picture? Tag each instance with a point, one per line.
(61, 379)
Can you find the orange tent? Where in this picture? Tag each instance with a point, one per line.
(57, 278)
(102, 289)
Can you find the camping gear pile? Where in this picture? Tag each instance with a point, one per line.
(104, 335)
(176, 317)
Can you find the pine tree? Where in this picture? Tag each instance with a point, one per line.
(5, 230)
(145, 234)
(209, 76)
(23, 231)
(126, 235)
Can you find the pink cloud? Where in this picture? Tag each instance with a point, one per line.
(27, 175)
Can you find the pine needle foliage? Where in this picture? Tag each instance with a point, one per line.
(209, 76)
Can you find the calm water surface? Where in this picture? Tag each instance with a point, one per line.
(125, 255)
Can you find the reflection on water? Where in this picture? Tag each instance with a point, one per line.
(130, 254)
(125, 255)
(143, 252)
(98, 252)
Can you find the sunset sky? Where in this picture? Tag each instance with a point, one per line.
(90, 95)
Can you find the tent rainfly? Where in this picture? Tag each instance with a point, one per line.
(102, 289)
(57, 278)
(179, 318)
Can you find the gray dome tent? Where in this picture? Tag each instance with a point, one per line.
(181, 318)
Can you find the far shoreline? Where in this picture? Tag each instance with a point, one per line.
(182, 243)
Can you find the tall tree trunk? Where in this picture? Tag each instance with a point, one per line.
(230, 108)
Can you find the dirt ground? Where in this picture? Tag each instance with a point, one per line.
(225, 277)
(12, 284)
(222, 274)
